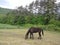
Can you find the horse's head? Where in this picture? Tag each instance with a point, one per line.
(26, 37)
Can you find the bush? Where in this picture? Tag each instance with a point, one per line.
(55, 22)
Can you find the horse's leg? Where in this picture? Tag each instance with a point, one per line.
(39, 36)
(32, 36)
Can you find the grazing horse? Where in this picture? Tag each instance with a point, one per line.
(34, 30)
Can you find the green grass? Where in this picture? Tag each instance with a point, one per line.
(7, 26)
(16, 37)
(50, 27)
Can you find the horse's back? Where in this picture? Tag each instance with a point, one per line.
(35, 29)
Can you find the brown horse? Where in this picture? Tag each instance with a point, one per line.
(34, 30)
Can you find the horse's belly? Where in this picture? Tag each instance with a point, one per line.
(35, 32)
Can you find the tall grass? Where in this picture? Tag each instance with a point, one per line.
(49, 27)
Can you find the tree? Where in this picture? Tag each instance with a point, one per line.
(48, 6)
(58, 11)
(31, 7)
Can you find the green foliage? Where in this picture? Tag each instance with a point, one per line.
(55, 22)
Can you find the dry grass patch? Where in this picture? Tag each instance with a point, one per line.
(16, 37)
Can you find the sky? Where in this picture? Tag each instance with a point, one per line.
(12, 4)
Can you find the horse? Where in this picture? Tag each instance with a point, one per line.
(34, 30)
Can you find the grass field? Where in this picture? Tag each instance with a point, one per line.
(16, 37)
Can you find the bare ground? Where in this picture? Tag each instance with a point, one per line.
(16, 37)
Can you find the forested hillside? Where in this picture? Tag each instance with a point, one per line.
(4, 10)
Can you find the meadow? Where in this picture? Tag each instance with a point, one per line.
(17, 37)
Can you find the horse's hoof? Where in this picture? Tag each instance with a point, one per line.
(26, 38)
(39, 38)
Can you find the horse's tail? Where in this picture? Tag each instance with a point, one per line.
(26, 36)
(42, 32)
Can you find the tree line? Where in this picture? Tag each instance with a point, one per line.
(38, 12)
